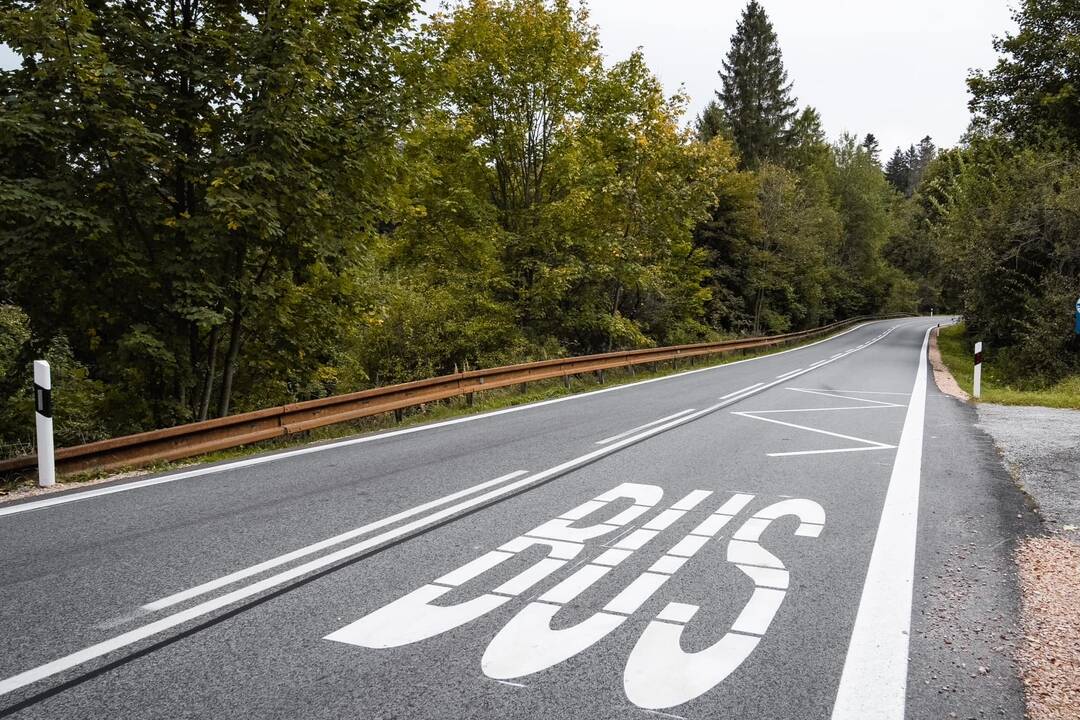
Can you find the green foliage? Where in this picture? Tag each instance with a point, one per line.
(1032, 92)
(1014, 233)
(712, 122)
(172, 173)
(207, 208)
(991, 228)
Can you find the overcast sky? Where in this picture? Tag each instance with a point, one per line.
(895, 69)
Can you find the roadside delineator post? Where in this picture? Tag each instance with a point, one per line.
(44, 424)
(977, 385)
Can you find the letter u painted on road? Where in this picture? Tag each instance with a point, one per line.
(658, 673)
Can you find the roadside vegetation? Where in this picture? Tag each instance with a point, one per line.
(233, 210)
(993, 226)
(999, 384)
(205, 210)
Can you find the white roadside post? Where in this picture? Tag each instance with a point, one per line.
(977, 389)
(44, 423)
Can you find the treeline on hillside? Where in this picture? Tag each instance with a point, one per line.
(206, 210)
(992, 228)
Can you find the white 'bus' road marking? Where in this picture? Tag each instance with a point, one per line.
(248, 462)
(631, 431)
(138, 634)
(873, 683)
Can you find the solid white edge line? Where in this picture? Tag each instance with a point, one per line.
(631, 431)
(206, 607)
(247, 572)
(224, 467)
(873, 683)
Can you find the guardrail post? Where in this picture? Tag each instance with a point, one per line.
(399, 414)
(600, 376)
(43, 423)
(469, 399)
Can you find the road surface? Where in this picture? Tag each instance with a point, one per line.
(817, 533)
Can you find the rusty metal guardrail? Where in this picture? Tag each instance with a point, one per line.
(183, 441)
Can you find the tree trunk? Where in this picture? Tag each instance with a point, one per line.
(757, 311)
(230, 362)
(211, 368)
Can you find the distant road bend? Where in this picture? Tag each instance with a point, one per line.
(752, 540)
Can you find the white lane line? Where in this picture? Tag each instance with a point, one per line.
(631, 431)
(873, 443)
(844, 397)
(321, 545)
(741, 390)
(873, 683)
(829, 452)
(823, 409)
(848, 392)
(206, 607)
(791, 374)
(249, 462)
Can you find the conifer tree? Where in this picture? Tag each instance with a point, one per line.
(712, 122)
(873, 147)
(897, 171)
(756, 94)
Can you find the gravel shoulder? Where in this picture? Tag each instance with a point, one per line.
(1041, 448)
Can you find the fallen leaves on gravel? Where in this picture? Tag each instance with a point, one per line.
(1050, 653)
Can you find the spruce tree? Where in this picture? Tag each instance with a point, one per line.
(897, 171)
(872, 147)
(756, 94)
(712, 122)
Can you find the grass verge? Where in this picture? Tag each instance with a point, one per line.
(958, 355)
(17, 485)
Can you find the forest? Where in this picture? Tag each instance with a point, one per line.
(212, 207)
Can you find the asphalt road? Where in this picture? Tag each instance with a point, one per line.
(817, 533)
